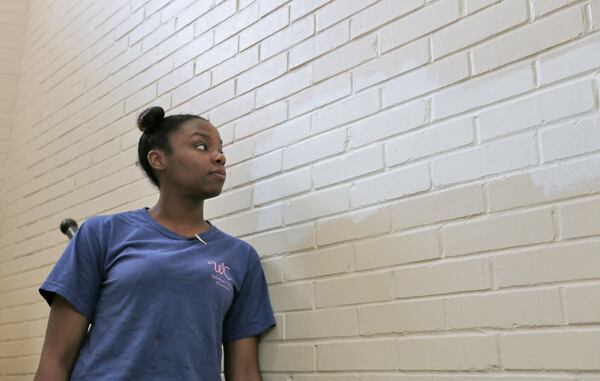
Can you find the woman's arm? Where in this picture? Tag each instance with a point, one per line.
(64, 335)
(241, 360)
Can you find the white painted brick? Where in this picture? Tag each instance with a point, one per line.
(316, 204)
(287, 357)
(388, 123)
(301, 8)
(570, 139)
(240, 150)
(284, 86)
(320, 44)
(313, 149)
(283, 135)
(213, 97)
(487, 159)
(146, 27)
(462, 352)
(285, 240)
(596, 14)
(175, 78)
(400, 317)
(429, 18)
(214, 17)
(267, 6)
(505, 309)
(129, 24)
(282, 186)
(564, 262)
(191, 13)
(487, 89)
(234, 66)
(288, 297)
(319, 95)
(235, 24)
(232, 109)
(542, 107)
(573, 59)
(441, 278)
(354, 164)
(345, 111)
(161, 33)
(322, 262)
(324, 323)
(390, 185)
(426, 79)
(429, 141)
(345, 57)
(254, 221)
(551, 350)
(264, 27)
(498, 232)
(191, 88)
(260, 120)
(397, 249)
(582, 304)
(262, 73)
(379, 14)
(391, 64)
(580, 219)
(534, 38)
(140, 98)
(547, 184)
(228, 202)
(354, 289)
(173, 8)
(470, 30)
(273, 272)
(338, 10)
(298, 31)
(255, 169)
(476, 5)
(215, 55)
(379, 354)
(353, 225)
(541, 7)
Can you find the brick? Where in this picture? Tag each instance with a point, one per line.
(173, 8)
(235, 24)
(316, 204)
(392, 63)
(379, 354)
(595, 11)
(440, 278)
(282, 40)
(423, 143)
(582, 304)
(356, 163)
(320, 44)
(260, 120)
(215, 17)
(470, 30)
(275, 334)
(465, 352)
(388, 123)
(505, 309)
(191, 88)
(542, 7)
(228, 202)
(126, 27)
(551, 350)
(476, 5)
(191, 13)
(498, 232)
(235, 65)
(282, 186)
(386, 251)
(354, 225)
(337, 322)
(390, 185)
(320, 95)
(570, 139)
(255, 169)
(215, 55)
(336, 11)
(546, 106)
(264, 28)
(254, 221)
(285, 240)
(289, 83)
(145, 28)
(213, 97)
(484, 90)
(240, 150)
(426, 79)
(140, 98)
(239, 106)
(301, 8)
(458, 202)
(315, 148)
(175, 78)
(401, 317)
(262, 73)
(528, 40)
(322, 262)
(287, 357)
(345, 111)
(345, 57)
(273, 269)
(431, 17)
(288, 297)
(160, 34)
(283, 135)
(548, 184)
(564, 262)
(379, 14)
(580, 219)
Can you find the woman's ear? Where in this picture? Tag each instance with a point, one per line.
(157, 159)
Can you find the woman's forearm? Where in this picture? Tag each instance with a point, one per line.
(52, 371)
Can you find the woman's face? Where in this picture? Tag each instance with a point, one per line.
(197, 152)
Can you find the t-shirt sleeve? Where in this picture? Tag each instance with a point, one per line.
(250, 312)
(77, 275)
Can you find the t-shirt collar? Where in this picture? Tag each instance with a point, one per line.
(206, 236)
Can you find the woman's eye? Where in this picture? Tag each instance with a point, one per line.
(205, 146)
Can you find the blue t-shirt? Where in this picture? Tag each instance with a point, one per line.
(160, 304)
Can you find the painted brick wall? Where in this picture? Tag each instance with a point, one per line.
(420, 177)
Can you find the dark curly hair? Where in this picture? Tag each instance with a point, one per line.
(156, 130)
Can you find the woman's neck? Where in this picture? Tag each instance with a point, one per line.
(180, 215)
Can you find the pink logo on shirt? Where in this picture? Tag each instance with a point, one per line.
(221, 268)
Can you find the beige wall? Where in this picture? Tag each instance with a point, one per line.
(420, 177)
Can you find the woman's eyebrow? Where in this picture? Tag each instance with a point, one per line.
(202, 134)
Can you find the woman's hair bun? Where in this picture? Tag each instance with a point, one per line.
(150, 118)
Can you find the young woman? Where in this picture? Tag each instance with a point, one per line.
(162, 287)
